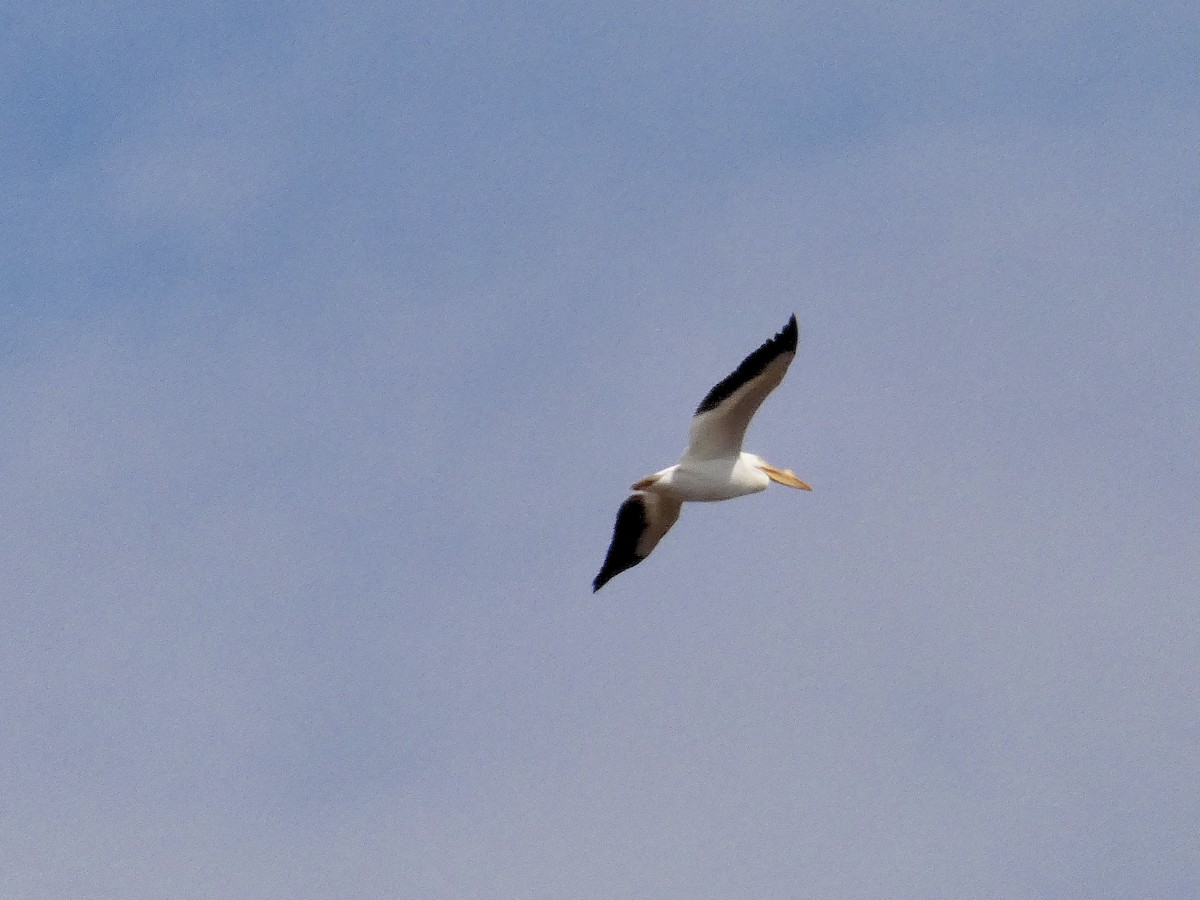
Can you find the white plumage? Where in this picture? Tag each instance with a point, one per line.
(713, 467)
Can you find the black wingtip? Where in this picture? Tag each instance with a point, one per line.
(622, 551)
(790, 333)
(785, 341)
(612, 569)
(606, 575)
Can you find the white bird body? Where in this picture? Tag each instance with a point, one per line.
(713, 467)
(708, 480)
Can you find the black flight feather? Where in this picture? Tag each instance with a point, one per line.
(622, 552)
(753, 365)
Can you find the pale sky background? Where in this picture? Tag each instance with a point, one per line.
(334, 333)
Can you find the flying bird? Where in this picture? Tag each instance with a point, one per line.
(713, 467)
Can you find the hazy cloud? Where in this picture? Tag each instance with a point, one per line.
(335, 335)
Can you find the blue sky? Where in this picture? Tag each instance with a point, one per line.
(334, 334)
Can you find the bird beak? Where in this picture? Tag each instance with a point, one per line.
(785, 476)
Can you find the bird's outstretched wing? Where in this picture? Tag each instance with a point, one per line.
(642, 520)
(720, 421)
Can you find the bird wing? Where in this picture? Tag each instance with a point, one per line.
(642, 520)
(720, 421)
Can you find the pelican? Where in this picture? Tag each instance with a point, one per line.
(713, 467)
